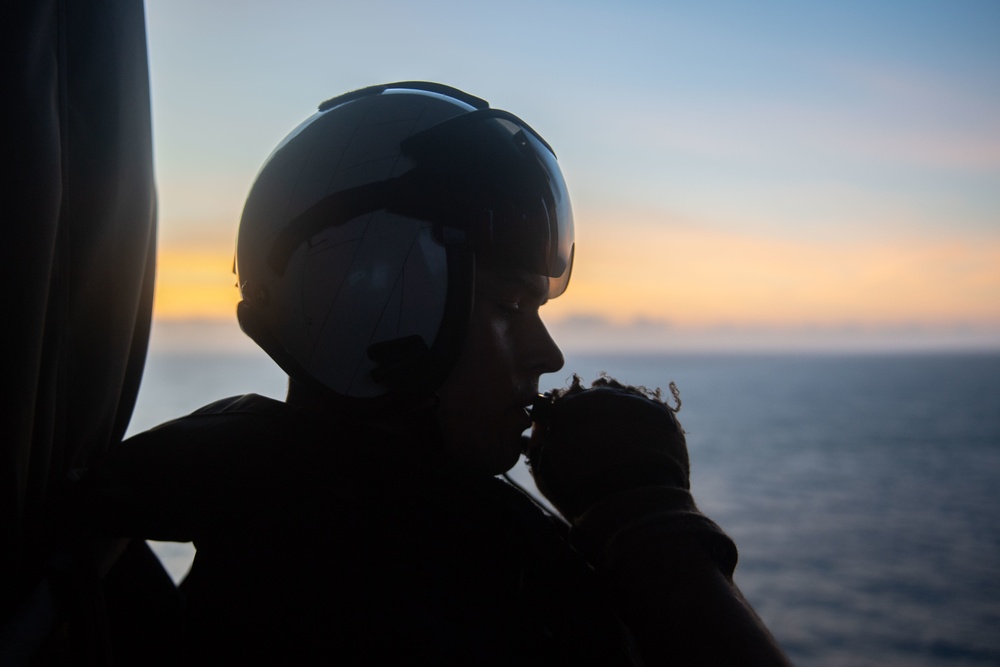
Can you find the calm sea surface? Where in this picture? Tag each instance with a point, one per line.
(862, 491)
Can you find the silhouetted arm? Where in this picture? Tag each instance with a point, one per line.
(669, 572)
(614, 462)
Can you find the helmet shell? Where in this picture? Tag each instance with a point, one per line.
(356, 248)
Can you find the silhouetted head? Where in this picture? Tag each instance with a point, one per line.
(385, 236)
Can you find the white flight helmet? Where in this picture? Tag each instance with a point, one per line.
(357, 246)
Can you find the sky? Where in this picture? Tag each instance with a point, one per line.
(768, 175)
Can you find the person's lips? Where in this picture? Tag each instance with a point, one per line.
(523, 407)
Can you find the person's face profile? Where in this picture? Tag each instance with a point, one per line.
(482, 411)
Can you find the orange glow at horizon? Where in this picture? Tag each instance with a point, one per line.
(195, 284)
(697, 278)
(694, 277)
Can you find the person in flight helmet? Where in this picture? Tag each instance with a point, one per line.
(393, 257)
(360, 247)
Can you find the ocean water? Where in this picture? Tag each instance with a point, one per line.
(863, 491)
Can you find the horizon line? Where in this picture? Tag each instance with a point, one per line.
(223, 336)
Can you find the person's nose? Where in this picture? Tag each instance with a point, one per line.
(547, 356)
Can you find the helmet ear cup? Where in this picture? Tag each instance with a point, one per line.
(407, 365)
(380, 278)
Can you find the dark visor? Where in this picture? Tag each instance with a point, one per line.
(484, 172)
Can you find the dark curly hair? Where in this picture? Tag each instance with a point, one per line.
(605, 380)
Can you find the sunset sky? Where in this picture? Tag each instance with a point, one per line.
(760, 175)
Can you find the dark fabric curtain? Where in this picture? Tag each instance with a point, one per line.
(78, 212)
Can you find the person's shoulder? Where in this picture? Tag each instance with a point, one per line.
(248, 414)
(243, 404)
(232, 434)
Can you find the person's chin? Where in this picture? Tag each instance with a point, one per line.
(490, 456)
(506, 456)
(514, 457)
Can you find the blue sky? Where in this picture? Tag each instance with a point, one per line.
(760, 169)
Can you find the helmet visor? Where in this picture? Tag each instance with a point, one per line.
(488, 173)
